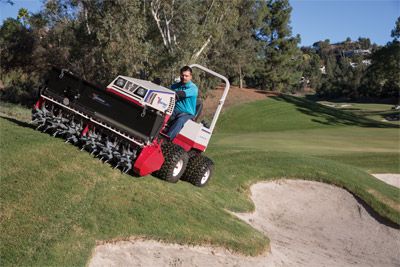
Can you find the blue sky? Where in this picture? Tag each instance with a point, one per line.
(336, 20)
(314, 20)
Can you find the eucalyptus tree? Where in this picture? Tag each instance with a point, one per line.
(235, 54)
(99, 38)
(184, 31)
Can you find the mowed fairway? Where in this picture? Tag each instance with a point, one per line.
(296, 125)
(56, 201)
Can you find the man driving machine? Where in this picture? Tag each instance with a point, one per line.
(185, 105)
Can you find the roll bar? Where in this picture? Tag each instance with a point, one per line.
(222, 100)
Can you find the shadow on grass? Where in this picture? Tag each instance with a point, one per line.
(361, 100)
(330, 116)
(18, 122)
(350, 109)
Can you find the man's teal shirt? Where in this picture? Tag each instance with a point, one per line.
(187, 104)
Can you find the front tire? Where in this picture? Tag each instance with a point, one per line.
(199, 170)
(176, 160)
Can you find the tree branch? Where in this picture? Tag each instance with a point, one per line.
(198, 53)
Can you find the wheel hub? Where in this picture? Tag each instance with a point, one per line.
(205, 177)
(178, 168)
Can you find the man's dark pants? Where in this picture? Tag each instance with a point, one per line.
(177, 121)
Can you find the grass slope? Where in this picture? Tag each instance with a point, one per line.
(57, 202)
(296, 125)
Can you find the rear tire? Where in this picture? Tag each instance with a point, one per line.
(199, 170)
(175, 163)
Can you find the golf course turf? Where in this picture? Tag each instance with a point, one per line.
(56, 201)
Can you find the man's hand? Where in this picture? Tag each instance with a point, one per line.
(180, 95)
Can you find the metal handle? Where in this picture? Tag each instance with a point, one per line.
(222, 100)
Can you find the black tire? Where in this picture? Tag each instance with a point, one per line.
(173, 155)
(193, 153)
(199, 170)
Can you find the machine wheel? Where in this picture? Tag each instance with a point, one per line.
(199, 170)
(193, 153)
(175, 163)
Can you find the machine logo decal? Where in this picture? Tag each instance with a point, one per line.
(97, 98)
(160, 102)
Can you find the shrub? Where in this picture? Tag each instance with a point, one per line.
(19, 87)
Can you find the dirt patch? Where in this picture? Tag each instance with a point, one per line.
(236, 96)
(309, 224)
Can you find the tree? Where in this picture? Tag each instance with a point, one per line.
(383, 75)
(189, 36)
(281, 56)
(311, 68)
(98, 39)
(364, 43)
(396, 31)
(235, 53)
(23, 15)
(16, 45)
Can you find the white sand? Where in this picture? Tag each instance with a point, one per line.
(389, 178)
(309, 224)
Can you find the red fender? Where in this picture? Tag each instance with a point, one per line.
(150, 160)
(187, 144)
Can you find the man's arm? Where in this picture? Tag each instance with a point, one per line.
(189, 92)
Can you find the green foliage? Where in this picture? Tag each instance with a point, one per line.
(311, 68)
(249, 41)
(16, 45)
(353, 75)
(281, 57)
(396, 31)
(22, 62)
(19, 87)
(23, 15)
(383, 76)
(151, 39)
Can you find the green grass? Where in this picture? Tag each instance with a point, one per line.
(57, 201)
(373, 111)
(295, 125)
(15, 111)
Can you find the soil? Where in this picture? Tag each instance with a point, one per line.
(308, 223)
(237, 96)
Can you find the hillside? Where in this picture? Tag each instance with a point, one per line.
(57, 202)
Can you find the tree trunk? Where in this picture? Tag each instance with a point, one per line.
(164, 25)
(240, 77)
(198, 53)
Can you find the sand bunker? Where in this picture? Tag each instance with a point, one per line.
(389, 178)
(309, 224)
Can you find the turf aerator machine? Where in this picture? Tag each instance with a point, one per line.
(124, 124)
